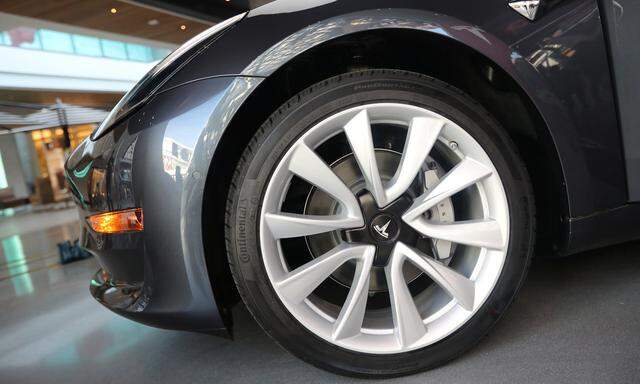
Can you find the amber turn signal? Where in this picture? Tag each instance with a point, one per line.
(129, 220)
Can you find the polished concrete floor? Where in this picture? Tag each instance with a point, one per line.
(577, 320)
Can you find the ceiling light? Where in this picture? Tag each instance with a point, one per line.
(183, 27)
(114, 10)
(153, 22)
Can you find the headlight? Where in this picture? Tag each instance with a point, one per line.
(157, 76)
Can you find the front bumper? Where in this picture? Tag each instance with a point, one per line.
(157, 160)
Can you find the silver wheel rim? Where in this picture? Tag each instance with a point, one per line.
(460, 289)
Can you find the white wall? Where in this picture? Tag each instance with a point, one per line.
(12, 167)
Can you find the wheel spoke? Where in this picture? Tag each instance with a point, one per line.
(306, 164)
(423, 133)
(286, 225)
(466, 173)
(358, 131)
(455, 284)
(299, 283)
(479, 233)
(349, 322)
(408, 325)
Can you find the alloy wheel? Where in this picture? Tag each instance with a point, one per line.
(403, 242)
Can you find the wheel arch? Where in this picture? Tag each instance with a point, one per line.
(460, 63)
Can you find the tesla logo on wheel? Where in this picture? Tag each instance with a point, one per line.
(382, 231)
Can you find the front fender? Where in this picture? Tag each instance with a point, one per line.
(157, 159)
(559, 61)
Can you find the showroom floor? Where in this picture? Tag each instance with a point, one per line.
(577, 320)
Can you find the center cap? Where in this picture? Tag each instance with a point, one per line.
(384, 228)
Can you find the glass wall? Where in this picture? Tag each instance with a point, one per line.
(56, 41)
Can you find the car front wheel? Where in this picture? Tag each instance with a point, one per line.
(379, 223)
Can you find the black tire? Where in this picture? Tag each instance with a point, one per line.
(273, 139)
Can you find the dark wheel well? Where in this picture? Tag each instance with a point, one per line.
(410, 50)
